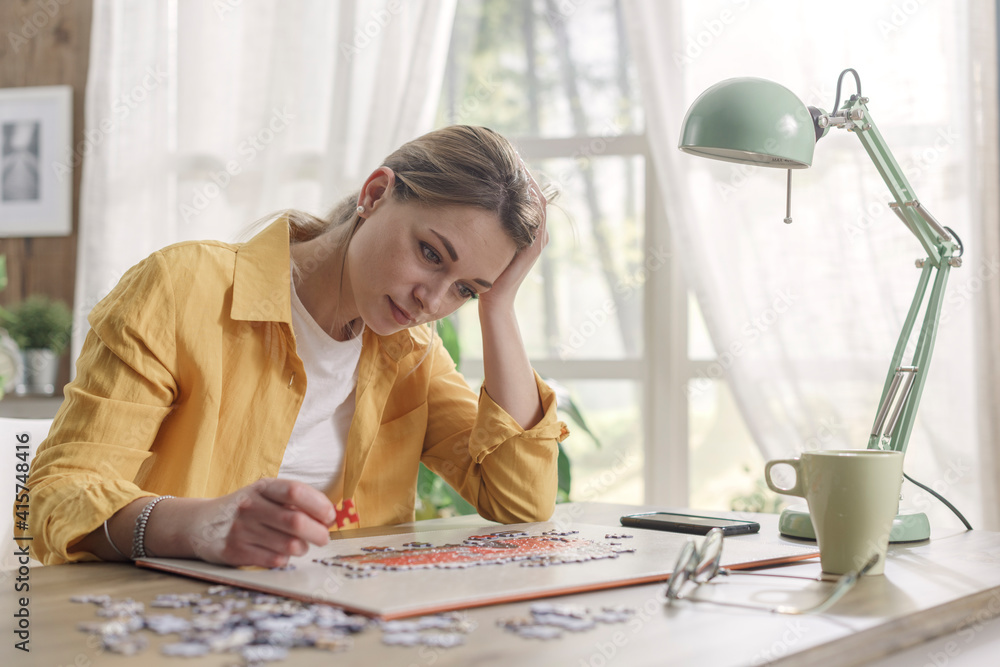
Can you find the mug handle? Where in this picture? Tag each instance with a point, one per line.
(796, 489)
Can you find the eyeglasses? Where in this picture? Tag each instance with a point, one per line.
(700, 565)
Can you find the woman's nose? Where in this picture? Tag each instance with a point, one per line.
(431, 296)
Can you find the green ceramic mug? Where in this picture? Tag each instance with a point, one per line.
(853, 496)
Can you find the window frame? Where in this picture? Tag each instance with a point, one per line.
(664, 370)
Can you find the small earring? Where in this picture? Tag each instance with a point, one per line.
(360, 209)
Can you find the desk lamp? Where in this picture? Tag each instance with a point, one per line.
(759, 122)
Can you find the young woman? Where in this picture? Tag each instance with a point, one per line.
(236, 402)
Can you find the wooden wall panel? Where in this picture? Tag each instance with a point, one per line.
(45, 43)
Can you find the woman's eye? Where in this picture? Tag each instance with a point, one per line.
(430, 254)
(467, 292)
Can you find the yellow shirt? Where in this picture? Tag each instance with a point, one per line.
(188, 384)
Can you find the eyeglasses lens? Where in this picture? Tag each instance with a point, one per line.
(686, 563)
(709, 556)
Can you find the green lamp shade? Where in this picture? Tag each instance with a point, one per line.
(750, 121)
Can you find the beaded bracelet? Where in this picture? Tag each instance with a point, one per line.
(139, 534)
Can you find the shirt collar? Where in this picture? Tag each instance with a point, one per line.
(262, 289)
(262, 277)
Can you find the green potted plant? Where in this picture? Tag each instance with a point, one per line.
(41, 328)
(436, 499)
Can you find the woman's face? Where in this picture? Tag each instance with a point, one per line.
(410, 264)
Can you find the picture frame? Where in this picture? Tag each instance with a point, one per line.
(36, 161)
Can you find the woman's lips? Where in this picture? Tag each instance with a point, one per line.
(401, 316)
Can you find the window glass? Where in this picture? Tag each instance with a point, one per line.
(726, 470)
(576, 58)
(584, 298)
(537, 71)
(610, 471)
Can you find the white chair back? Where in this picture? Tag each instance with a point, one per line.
(14, 434)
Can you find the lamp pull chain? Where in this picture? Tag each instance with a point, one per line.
(788, 200)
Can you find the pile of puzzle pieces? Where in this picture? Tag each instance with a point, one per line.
(264, 628)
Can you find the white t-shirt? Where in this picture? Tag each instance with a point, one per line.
(315, 450)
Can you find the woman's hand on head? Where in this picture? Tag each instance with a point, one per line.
(262, 524)
(505, 287)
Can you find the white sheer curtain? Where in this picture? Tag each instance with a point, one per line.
(986, 299)
(202, 117)
(805, 317)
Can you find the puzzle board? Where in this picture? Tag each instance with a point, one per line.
(410, 574)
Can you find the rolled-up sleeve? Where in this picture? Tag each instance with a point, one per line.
(101, 437)
(509, 474)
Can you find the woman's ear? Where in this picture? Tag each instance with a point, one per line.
(377, 188)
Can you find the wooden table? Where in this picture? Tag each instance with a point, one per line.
(945, 590)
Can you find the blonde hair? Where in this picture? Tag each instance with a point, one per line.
(460, 165)
(457, 165)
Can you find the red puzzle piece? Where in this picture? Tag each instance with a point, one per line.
(347, 514)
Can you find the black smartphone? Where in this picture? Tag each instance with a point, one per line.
(689, 523)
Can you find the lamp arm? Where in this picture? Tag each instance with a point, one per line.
(937, 243)
(922, 358)
(941, 249)
(898, 437)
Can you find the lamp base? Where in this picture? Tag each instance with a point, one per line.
(906, 527)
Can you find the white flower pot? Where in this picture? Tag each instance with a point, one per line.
(41, 367)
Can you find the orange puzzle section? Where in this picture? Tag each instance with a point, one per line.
(549, 548)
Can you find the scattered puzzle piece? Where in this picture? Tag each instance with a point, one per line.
(264, 628)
